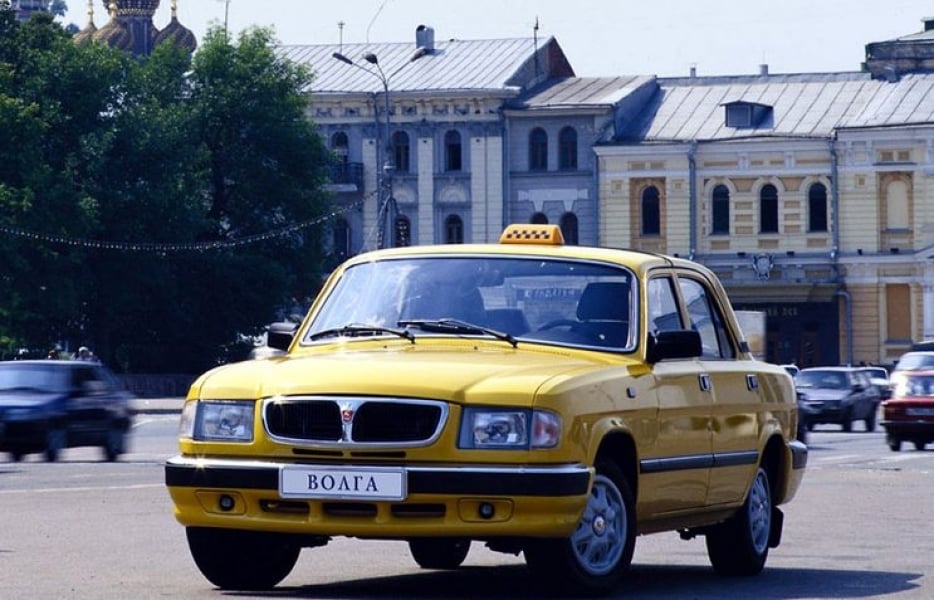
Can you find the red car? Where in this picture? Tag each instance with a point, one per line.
(908, 416)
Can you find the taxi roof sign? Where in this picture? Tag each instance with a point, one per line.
(526, 233)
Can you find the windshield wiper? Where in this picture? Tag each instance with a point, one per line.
(354, 330)
(456, 326)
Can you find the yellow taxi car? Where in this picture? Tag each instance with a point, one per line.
(541, 398)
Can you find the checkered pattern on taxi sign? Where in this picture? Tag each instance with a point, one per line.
(532, 234)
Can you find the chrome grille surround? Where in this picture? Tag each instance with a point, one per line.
(348, 422)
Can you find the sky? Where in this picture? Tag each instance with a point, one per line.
(599, 37)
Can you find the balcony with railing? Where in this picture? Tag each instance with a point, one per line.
(346, 177)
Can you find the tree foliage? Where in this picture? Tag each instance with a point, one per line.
(157, 210)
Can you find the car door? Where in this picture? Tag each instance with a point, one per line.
(675, 468)
(735, 403)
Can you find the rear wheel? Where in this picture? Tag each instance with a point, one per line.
(895, 444)
(595, 557)
(870, 420)
(740, 545)
(115, 445)
(54, 444)
(241, 560)
(920, 445)
(439, 553)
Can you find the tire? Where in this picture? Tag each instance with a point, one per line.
(895, 445)
(740, 546)
(54, 444)
(439, 553)
(241, 560)
(16, 456)
(847, 425)
(870, 420)
(920, 446)
(115, 445)
(594, 559)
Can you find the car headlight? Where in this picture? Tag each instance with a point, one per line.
(509, 429)
(217, 421)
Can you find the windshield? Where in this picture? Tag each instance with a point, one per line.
(33, 377)
(914, 362)
(531, 298)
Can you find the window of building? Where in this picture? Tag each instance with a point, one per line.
(402, 232)
(538, 150)
(567, 148)
(569, 229)
(651, 211)
(768, 209)
(817, 207)
(898, 315)
(896, 204)
(341, 239)
(539, 218)
(453, 230)
(340, 145)
(400, 151)
(720, 218)
(452, 151)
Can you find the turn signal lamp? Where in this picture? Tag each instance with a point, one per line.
(532, 234)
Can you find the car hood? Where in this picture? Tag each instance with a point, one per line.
(474, 371)
(822, 394)
(26, 398)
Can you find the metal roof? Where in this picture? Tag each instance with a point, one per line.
(581, 92)
(451, 65)
(803, 105)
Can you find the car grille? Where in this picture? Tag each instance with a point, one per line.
(354, 421)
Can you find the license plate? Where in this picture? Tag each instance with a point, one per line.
(354, 483)
(920, 412)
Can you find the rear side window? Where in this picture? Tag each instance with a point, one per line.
(706, 319)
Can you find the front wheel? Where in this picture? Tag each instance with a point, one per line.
(740, 545)
(241, 560)
(439, 553)
(895, 444)
(595, 557)
(920, 445)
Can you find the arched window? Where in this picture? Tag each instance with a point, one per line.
(340, 145)
(453, 230)
(768, 209)
(720, 218)
(341, 239)
(538, 150)
(400, 151)
(402, 232)
(567, 148)
(651, 212)
(817, 207)
(539, 218)
(569, 229)
(452, 151)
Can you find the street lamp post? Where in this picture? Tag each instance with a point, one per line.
(384, 175)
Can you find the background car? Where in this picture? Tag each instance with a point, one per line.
(879, 377)
(922, 360)
(838, 395)
(49, 405)
(908, 416)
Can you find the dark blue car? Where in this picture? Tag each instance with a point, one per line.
(49, 405)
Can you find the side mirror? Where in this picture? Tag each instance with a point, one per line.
(679, 343)
(280, 335)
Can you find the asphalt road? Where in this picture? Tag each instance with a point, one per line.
(862, 526)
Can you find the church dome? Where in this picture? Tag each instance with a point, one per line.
(115, 34)
(87, 34)
(177, 34)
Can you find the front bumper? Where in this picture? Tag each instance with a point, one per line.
(468, 501)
